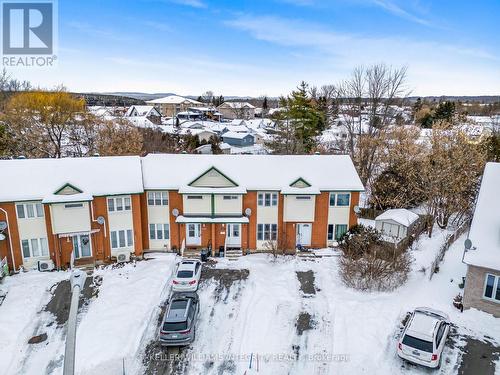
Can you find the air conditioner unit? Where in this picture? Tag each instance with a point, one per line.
(45, 265)
(123, 257)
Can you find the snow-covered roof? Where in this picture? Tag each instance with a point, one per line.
(174, 99)
(253, 172)
(236, 105)
(399, 215)
(36, 179)
(485, 228)
(236, 135)
(141, 110)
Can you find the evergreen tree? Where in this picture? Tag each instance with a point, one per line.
(265, 105)
(298, 124)
(445, 111)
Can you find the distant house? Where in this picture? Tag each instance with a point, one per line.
(395, 224)
(237, 110)
(482, 283)
(171, 105)
(143, 115)
(238, 139)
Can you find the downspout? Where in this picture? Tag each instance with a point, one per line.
(10, 239)
(95, 221)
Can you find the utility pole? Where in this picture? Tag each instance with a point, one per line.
(77, 280)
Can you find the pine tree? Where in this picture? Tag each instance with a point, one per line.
(299, 124)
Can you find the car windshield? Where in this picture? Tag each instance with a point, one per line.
(423, 345)
(177, 326)
(184, 274)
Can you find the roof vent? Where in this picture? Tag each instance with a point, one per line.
(317, 153)
(96, 155)
(21, 157)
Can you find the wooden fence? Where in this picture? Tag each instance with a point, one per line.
(416, 230)
(449, 241)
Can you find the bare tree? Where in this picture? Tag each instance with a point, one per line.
(366, 109)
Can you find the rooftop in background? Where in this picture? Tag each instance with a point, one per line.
(485, 229)
(174, 99)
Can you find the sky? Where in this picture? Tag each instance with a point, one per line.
(254, 48)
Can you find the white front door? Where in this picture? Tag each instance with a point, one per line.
(304, 234)
(193, 234)
(233, 235)
(82, 246)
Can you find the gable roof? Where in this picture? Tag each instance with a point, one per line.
(399, 215)
(173, 99)
(236, 135)
(214, 172)
(253, 172)
(236, 105)
(485, 228)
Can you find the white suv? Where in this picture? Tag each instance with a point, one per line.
(187, 276)
(423, 338)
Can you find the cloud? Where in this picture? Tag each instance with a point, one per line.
(438, 66)
(393, 8)
(190, 3)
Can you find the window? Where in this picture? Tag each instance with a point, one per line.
(343, 200)
(194, 197)
(73, 205)
(492, 288)
(29, 210)
(122, 238)
(266, 232)
(422, 345)
(229, 197)
(35, 247)
(159, 231)
(119, 204)
(330, 232)
(332, 199)
(440, 333)
(157, 198)
(267, 199)
(340, 199)
(303, 197)
(340, 230)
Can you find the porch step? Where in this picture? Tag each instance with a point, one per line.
(233, 254)
(306, 254)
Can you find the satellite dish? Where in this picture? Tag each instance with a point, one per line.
(468, 244)
(100, 220)
(2, 236)
(248, 211)
(357, 209)
(3, 225)
(175, 212)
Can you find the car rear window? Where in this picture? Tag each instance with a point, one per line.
(178, 326)
(423, 345)
(184, 274)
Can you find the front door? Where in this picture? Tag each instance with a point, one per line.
(304, 234)
(193, 234)
(233, 235)
(82, 247)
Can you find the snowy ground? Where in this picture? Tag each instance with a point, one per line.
(279, 311)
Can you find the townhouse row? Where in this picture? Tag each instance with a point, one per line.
(94, 209)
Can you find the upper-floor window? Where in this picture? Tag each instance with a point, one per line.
(229, 197)
(194, 197)
(340, 199)
(267, 199)
(29, 210)
(157, 198)
(119, 204)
